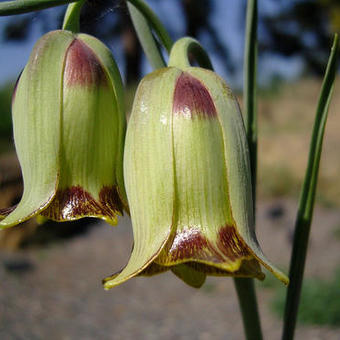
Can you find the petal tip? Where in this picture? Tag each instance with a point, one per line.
(192, 99)
(74, 203)
(82, 66)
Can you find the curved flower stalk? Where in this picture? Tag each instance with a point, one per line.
(69, 129)
(187, 176)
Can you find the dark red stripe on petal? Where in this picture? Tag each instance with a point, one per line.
(231, 244)
(6, 211)
(109, 198)
(248, 268)
(192, 99)
(191, 244)
(15, 87)
(82, 66)
(153, 269)
(74, 203)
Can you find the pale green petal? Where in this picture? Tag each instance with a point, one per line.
(189, 275)
(205, 229)
(237, 162)
(249, 268)
(104, 55)
(148, 171)
(36, 119)
(89, 143)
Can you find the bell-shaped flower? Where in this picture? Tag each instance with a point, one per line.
(187, 178)
(69, 129)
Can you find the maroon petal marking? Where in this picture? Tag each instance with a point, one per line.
(82, 66)
(153, 269)
(74, 203)
(192, 99)
(231, 244)
(249, 268)
(109, 199)
(15, 88)
(6, 211)
(189, 244)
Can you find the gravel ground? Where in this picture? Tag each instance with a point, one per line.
(54, 292)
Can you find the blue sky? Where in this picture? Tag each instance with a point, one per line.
(228, 20)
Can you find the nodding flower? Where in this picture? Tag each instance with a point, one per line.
(188, 182)
(69, 129)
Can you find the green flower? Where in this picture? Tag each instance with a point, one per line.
(69, 129)
(187, 177)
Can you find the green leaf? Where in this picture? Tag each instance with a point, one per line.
(154, 21)
(146, 38)
(24, 6)
(306, 204)
(72, 16)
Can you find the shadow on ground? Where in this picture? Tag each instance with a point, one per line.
(54, 291)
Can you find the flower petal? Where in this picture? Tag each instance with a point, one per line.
(89, 146)
(237, 163)
(204, 227)
(112, 72)
(189, 275)
(6, 211)
(249, 268)
(151, 198)
(36, 118)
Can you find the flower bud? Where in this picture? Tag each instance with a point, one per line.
(187, 177)
(69, 128)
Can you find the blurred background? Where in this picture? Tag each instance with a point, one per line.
(50, 274)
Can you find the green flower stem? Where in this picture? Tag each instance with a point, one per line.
(72, 16)
(24, 6)
(246, 294)
(249, 99)
(244, 286)
(155, 23)
(182, 50)
(146, 38)
(305, 210)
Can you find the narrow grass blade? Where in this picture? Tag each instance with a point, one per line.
(72, 16)
(155, 23)
(245, 287)
(146, 38)
(305, 210)
(249, 96)
(24, 6)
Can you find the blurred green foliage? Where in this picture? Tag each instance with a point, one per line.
(336, 233)
(320, 301)
(333, 9)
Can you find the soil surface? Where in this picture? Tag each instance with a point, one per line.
(54, 291)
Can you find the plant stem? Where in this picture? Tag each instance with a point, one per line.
(24, 6)
(155, 23)
(248, 304)
(307, 199)
(146, 38)
(249, 99)
(244, 286)
(181, 51)
(72, 16)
